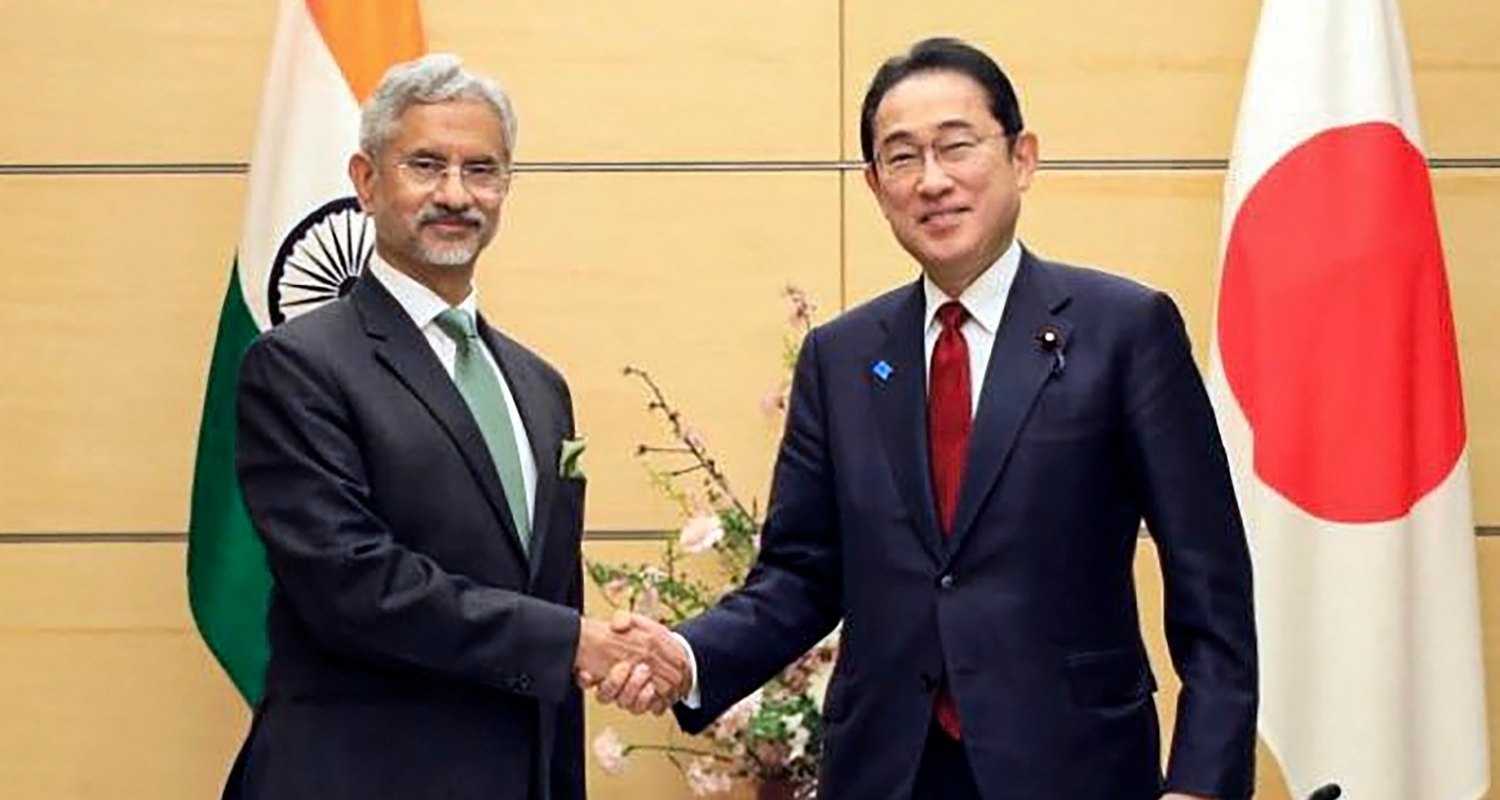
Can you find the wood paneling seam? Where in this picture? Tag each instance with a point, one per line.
(1056, 164)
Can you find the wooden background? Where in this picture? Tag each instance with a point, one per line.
(113, 278)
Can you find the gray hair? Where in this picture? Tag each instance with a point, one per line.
(434, 78)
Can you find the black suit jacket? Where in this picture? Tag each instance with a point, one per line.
(416, 652)
(1028, 612)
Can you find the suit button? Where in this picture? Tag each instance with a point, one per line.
(945, 582)
(929, 683)
(523, 683)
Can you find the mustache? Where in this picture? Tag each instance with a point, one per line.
(432, 214)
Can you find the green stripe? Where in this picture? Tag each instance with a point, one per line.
(229, 585)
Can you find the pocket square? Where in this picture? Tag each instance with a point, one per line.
(570, 463)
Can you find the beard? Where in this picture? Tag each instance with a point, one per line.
(458, 253)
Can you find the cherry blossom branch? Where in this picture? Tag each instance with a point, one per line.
(693, 445)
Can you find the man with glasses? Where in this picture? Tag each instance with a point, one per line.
(966, 465)
(404, 463)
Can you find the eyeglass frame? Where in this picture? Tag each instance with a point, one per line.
(935, 148)
(412, 169)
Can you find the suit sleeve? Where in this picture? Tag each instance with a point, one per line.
(791, 598)
(1191, 513)
(568, 742)
(361, 592)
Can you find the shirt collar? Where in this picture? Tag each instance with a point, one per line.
(419, 302)
(984, 299)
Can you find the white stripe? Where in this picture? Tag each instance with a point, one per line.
(1371, 669)
(309, 126)
(1371, 673)
(1317, 64)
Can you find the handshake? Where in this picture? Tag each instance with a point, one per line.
(633, 662)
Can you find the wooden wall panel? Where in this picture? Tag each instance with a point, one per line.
(666, 80)
(657, 80)
(1113, 80)
(1145, 79)
(108, 302)
(126, 82)
(109, 692)
(1457, 74)
(1468, 203)
(678, 274)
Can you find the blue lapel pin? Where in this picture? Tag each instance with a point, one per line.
(882, 370)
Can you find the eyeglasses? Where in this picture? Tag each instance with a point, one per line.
(903, 161)
(479, 177)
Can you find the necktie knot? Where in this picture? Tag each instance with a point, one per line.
(457, 324)
(952, 315)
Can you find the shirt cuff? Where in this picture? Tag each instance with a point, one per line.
(694, 699)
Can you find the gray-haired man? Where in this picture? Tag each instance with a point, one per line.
(402, 461)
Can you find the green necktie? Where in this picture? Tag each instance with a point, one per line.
(480, 387)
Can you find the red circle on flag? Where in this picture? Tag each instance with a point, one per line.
(1335, 328)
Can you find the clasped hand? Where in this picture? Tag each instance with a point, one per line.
(633, 662)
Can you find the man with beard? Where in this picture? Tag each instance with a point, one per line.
(404, 463)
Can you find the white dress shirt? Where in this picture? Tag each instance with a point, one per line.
(984, 299)
(423, 306)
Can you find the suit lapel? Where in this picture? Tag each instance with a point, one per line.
(1017, 371)
(544, 428)
(900, 399)
(404, 351)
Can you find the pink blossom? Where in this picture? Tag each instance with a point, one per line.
(704, 780)
(772, 755)
(648, 602)
(817, 684)
(800, 308)
(701, 532)
(737, 718)
(773, 403)
(614, 591)
(800, 737)
(723, 730)
(609, 751)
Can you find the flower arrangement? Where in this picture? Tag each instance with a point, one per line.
(772, 738)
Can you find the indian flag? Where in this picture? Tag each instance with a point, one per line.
(305, 241)
(1335, 377)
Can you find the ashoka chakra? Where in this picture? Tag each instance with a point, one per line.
(320, 259)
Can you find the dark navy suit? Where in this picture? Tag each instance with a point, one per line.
(1028, 611)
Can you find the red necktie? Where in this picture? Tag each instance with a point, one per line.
(948, 422)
